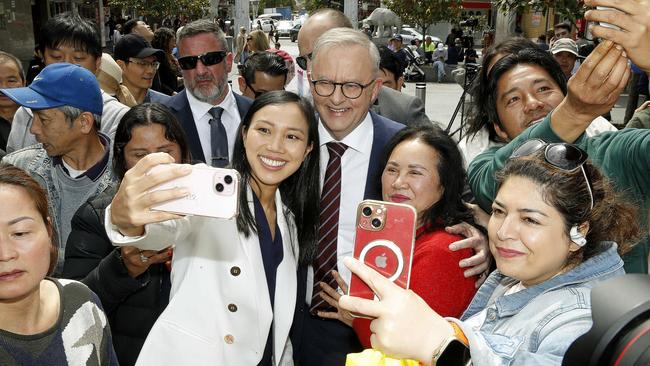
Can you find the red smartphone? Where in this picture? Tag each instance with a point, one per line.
(384, 241)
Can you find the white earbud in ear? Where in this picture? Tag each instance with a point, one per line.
(577, 237)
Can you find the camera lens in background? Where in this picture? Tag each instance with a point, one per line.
(227, 179)
(219, 187)
(376, 223)
(366, 211)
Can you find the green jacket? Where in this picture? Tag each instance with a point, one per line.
(640, 119)
(623, 156)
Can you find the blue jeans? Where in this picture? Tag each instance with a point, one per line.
(439, 68)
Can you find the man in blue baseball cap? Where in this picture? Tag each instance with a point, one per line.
(73, 160)
(68, 38)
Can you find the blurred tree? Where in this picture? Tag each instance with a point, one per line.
(312, 5)
(193, 9)
(565, 9)
(420, 14)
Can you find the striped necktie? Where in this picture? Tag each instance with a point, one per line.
(328, 229)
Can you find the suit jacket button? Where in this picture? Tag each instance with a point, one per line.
(232, 307)
(229, 339)
(235, 271)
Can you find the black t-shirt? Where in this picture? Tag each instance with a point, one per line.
(5, 128)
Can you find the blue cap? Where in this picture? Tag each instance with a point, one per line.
(58, 85)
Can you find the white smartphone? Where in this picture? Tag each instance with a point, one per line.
(214, 192)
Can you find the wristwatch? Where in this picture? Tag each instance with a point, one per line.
(453, 350)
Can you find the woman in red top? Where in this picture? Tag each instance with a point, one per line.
(423, 168)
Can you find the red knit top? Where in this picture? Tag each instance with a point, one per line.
(435, 277)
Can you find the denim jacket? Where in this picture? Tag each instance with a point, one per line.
(35, 161)
(536, 325)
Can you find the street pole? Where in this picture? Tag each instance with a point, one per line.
(214, 10)
(102, 26)
(351, 10)
(241, 16)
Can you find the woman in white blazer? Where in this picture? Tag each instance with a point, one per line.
(233, 281)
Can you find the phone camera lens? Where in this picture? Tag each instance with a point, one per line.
(366, 211)
(376, 223)
(219, 187)
(227, 179)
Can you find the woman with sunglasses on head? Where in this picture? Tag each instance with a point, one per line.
(234, 281)
(133, 285)
(43, 321)
(556, 230)
(424, 168)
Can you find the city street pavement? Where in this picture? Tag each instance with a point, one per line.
(441, 99)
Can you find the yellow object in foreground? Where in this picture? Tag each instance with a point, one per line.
(371, 357)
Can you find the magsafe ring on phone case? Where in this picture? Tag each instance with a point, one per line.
(390, 246)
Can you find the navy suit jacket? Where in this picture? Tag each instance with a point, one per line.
(180, 107)
(383, 131)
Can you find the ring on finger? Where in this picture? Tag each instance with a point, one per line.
(143, 258)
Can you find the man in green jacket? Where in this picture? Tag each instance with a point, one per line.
(623, 156)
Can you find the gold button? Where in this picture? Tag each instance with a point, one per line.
(232, 307)
(229, 339)
(235, 271)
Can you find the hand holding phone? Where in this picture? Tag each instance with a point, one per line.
(214, 192)
(385, 237)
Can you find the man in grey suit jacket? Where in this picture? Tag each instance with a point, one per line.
(399, 107)
(391, 103)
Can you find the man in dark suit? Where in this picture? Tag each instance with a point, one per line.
(343, 75)
(403, 108)
(343, 70)
(207, 108)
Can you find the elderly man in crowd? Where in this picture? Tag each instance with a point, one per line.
(399, 107)
(68, 38)
(73, 160)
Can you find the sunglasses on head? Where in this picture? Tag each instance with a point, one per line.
(302, 61)
(566, 157)
(208, 59)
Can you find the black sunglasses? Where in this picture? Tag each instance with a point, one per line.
(208, 59)
(302, 61)
(566, 157)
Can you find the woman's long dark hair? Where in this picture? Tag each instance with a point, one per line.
(143, 115)
(450, 209)
(301, 191)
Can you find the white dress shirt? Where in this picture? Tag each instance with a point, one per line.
(230, 119)
(354, 171)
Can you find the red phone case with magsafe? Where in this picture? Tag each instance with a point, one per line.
(387, 248)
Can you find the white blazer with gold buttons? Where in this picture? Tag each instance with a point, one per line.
(219, 310)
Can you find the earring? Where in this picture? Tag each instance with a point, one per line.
(576, 236)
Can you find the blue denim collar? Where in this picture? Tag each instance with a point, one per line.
(600, 266)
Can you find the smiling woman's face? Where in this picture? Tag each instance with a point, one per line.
(411, 176)
(527, 236)
(276, 143)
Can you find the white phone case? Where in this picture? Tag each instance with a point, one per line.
(214, 192)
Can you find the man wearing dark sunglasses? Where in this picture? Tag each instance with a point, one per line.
(207, 108)
(263, 71)
(623, 156)
(403, 108)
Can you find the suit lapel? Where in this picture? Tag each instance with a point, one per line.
(243, 104)
(381, 135)
(285, 283)
(181, 108)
